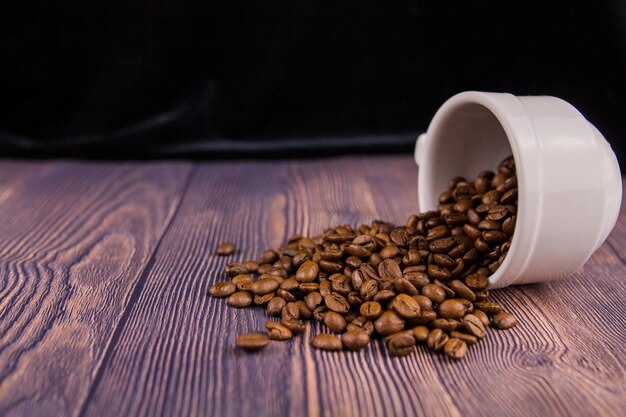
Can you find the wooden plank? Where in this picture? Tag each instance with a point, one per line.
(74, 240)
(175, 355)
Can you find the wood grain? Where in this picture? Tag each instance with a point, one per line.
(175, 354)
(104, 312)
(74, 240)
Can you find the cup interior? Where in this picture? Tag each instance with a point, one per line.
(467, 139)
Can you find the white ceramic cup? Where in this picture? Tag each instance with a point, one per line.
(569, 183)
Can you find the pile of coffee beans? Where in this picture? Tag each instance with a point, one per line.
(421, 283)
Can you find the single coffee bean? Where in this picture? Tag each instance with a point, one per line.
(455, 348)
(335, 322)
(474, 326)
(436, 339)
(388, 323)
(330, 267)
(275, 306)
(489, 224)
(484, 318)
(371, 310)
(355, 340)
(331, 255)
(508, 226)
(444, 261)
(461, 290)
(389, 268)
(235, 268)
(222, 289)
(476, 281)
(226, 249)
(424, 302)
(494, 237)
(305, 312)
(401, 344)
(337, 303)
(420, 333)
(403, 286)
(509, 197)
(307, 272)
(327, 341)
(406, 306)
(264, 286)
(437, 272)
(467, 338)
(319, 312)
(504, 321)
(313, 299)
(447, 325)
(417, 279)
(277, 331)
(489, 307)
(369, 289)
(425, 317)
(444, 245)
(294, 325)
(434, 292)
(262, 300)
(290, 311)
(240, 299)
(252, 342)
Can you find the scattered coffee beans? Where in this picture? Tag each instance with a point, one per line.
(424, 282)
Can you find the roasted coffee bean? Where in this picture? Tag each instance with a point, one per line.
(240, 299)
(434, 292)
(330, 267)
(417, 279)
(222, 289)
(294, 325)
(494, 237)
(504, 321)
(234, 269)
(252, 342)
(277, 331)
(401, 344)
(467, 338)
(444, 261)
(436, 339)
(290, 312)
(437, 272)
(305, 312)
(262, 300)
(331, 255)
(355, 340)
(388, 323)
(412, 257)
(474, 326)
(275, 306)
(421, 333)
(357, 279)
(369, 289)
(337, 303)
(424, 302)
(335, 322)
(451, 309)
(319, 312)
(476, 281)
(226, 249)
(371, 310)
(489, 307)
(461, 290)
(406, 306)
(327, 341)
(509, 197)
(447, 325)
(425, 317)
(288, 296)
(508, 226)
(403, 286)
(444, 245)
(437, 232)
(264, 286)
(384, 295)
(313, 299)
(484, 318)
(307, 272)
(389, 269)
(455, 348)
(324, 288)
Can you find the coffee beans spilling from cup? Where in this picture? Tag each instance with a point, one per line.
(421, 283)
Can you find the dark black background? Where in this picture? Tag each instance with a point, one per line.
(138, 78)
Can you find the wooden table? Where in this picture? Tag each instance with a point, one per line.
(104, 269)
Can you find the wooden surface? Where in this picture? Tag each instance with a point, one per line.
(103, 312)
